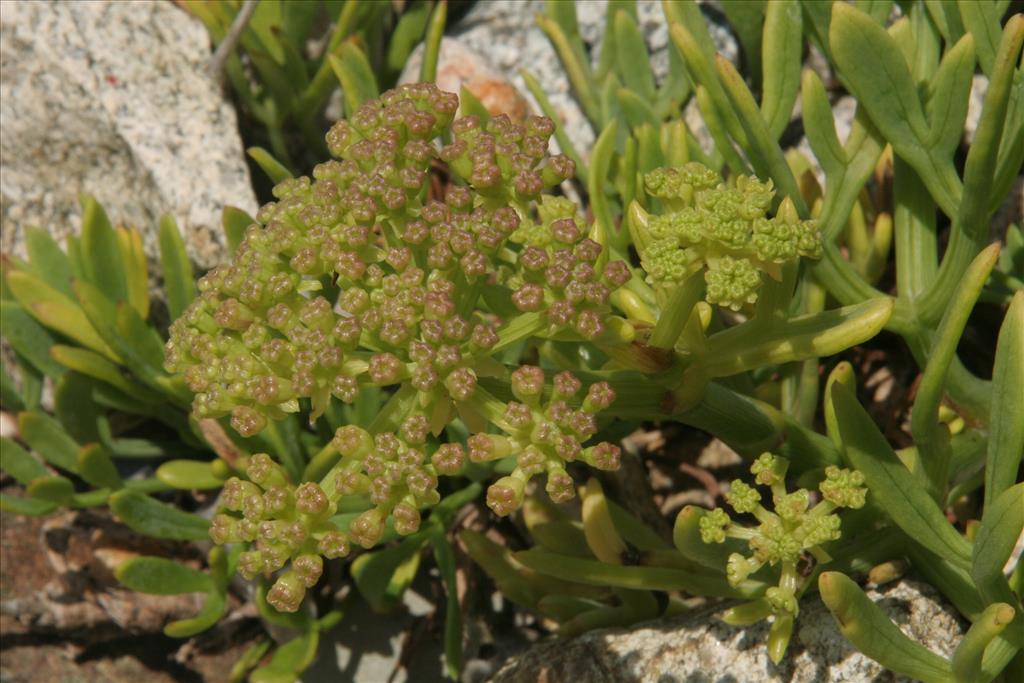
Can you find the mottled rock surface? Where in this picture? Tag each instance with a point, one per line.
(507, 34)
(460, 67)
(700, 648)
(113, 99)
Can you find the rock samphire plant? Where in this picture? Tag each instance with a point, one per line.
(382, 350)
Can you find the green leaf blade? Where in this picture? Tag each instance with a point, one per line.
(874, 634)
(47, 438)
(782, 58)
(161, 576)
(177, 268)
(104, 266)
(151, 517)
(899, 493)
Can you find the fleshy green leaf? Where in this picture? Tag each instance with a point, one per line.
(747, 19)
(600, 167)
(188, 475)
(235, 222)
(575, 68)
(598, 573)
(950, 93)
(687, 539)
(432, 42)
(213, 609)
(274, 169)
(177, 268)
(925, 414)
(96, 467)
(632, 60)
(135, 269)
(445, 558)
(18, 463)
(30, 507)
(56, 311)
(96, 366)
(47, 260)
(49, 440)
(889, 482)
(31, 383)
(153, 518)
(160, 576)
(820, 125)
(103, 265)
(969, 657)
(871, 64)
(383, 575)
(783, 56)
(407, 34)
(469, 105)
(135, 342)
(994, 542)
(801, 337)
(57, 490)
(10, 398)
(762, 149)
(75, 407)
(982, 19)
(1006, 431)
(355, 74)
(30, 339)
(289, 660)
(636, 109)
(874, 634)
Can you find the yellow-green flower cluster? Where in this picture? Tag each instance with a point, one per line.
(563, 273)
(360, 277)
(285, 525)
(722, 229)
(393, 470)
(783, 537)
(544, 436)
(266, 332)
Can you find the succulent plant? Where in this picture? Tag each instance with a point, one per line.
(430, 321)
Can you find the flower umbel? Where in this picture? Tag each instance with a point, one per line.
(783, 538)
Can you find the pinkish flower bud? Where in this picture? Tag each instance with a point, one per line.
(310, 499)
(333, 544)
(352, 442)
(448, 458)
(528, 383)
(287, 592)
(406, 519)
(603, 456)
(367, 528)
(560, 487)
(308, 567)
(505, 496)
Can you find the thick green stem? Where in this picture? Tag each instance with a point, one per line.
(676, 313)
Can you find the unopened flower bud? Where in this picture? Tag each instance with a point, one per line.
(560, 487)
(603, 456)
(308, 567)
(310, 499)
(287, 592)
(528, 383)
(366, 529)
(448, 458)
(406, 518)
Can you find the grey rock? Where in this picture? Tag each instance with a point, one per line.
(460, 67)
(506, 32)
(699, 648)
(979, 88)
(113, 99)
